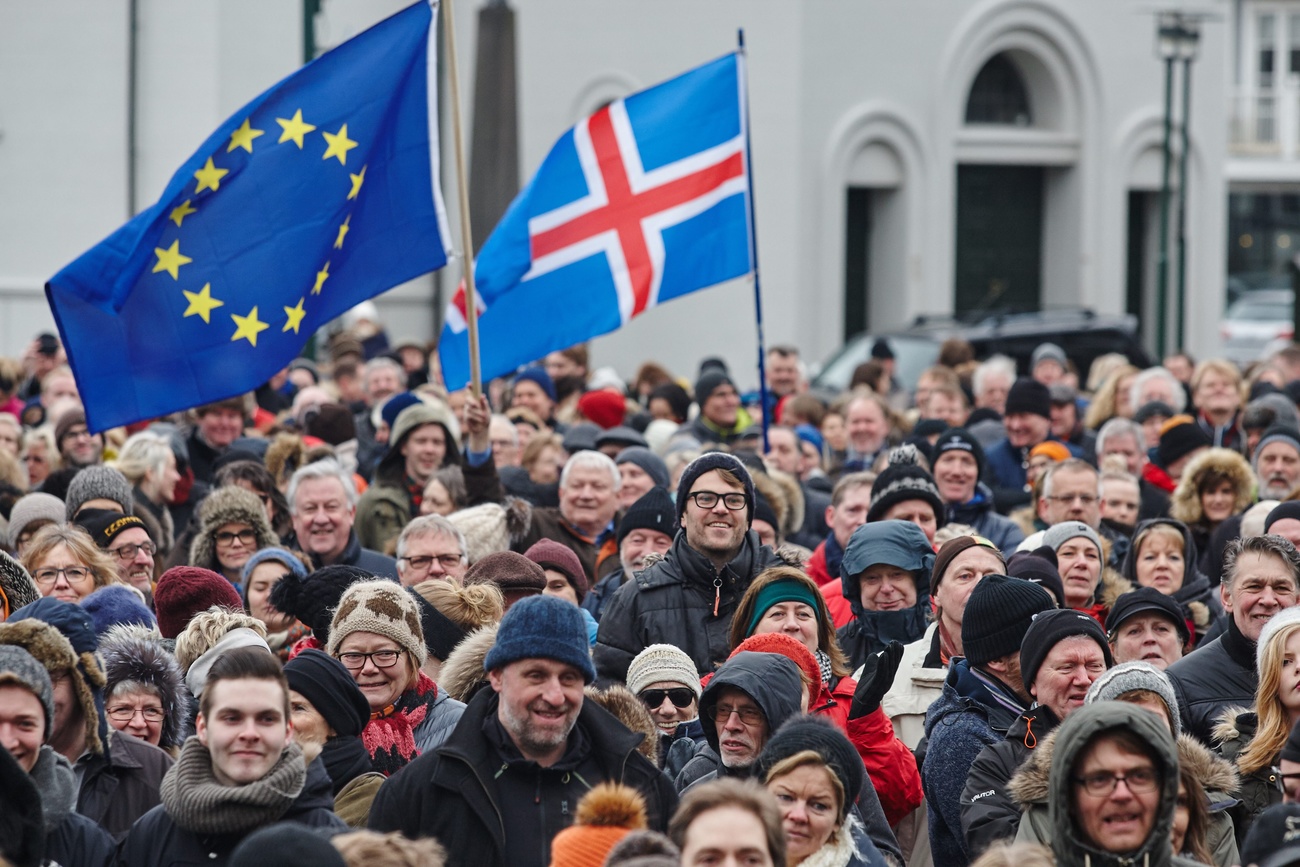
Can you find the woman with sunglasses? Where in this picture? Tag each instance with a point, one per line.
(665, 680)
(232, 528)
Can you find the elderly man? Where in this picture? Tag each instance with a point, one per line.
(1277, 462)
(1261, 576)
(1157, 384)
(323, 505)
(647, 527)
(526, 749)
(867, 420)
(584, 521)
(431, 547)
(688, 598)
(1145, 625)
(383, 378)
(785, 373)
(1123, 437)
(125, 537)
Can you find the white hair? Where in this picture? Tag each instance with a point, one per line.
(1119, 427)
(383, 362)
(506, 425)
(328, 468)
(431, 526)
(1152, 373)
(994, 364)
(141, 453)
(592, 460)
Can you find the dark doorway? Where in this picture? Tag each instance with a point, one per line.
(1136, 265)
(857, 261)
(999, 238)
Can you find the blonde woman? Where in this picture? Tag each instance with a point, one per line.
(66, 564)
(1112, 398)
(149, 464)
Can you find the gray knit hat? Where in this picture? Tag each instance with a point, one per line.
(651, 463)
(98, 483)
(20, 668)
(1131, 676)
(36, 506)
(1058, 534)
(662, 663)
(1285, 617)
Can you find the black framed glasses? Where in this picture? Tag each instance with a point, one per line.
(681, 697)
(245, 537)
(708, 499)
(1102, 783)
(128, 552)
(355, 660)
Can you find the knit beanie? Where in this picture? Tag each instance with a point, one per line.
(312, 599)
(763, 511)
(1146, 600)
(542, 627)
(881, 350)
(1040, 567)
(514, 574)
(662, 663)
(654, 510)
(329, 687)
(1047, 352)
(33, 507)
(706, 463)
(1058, 534)
(819, 735)
(441, 633)
(117, 605)
(67, 422)
(280, 556)
(1052, 450)
(1049, 629)
(958, 439)
(651, 463)
(384, 608)
(16, 585)
(998, 614)
(792, 649)
(1029, 396)
(1288, 509)
(1179, 437)
(541, 378)
(286, 844)
(710, 382)
(98, 483)
(1285, 617)
(183, 591)
(622, 436)
(902, 480)
(550, 554)
(1130, 676)
(604, 816)
(604, 407)
(1271, 840)
(484, 528)
(103, 525)
(20, 668)
(948, 552)
(1276, 434)
(678, 400)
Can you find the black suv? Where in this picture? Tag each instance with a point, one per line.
(1083, 334)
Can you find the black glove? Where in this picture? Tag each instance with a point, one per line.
(877, 677)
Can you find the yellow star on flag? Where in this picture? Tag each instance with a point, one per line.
(181, 211)
(171, 260)
(202, 303)
(248, 327)
(343, 230)
(295, 315)
(294, 129)
(321, 276)
(357, 181)
(243, 137)
(209, 177)
(340, 144)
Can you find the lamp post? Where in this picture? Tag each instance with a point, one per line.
(1188, 41)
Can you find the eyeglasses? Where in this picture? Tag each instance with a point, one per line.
(74, 574)
(126, 713)
(1103, 783)
(128, 552)
(681, 697)
(421, 564)
(1281, 780)
(245, 537)
(355, 661)
(1083, 499)
(709, 499)
(750, 716)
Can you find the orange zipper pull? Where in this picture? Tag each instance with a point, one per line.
(717, 595)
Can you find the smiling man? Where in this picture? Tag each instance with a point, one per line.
(526, 749)
(323, 505)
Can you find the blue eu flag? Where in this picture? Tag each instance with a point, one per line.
(320, 193)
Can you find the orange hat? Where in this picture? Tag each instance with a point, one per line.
(792, 649)
(1050, 449)
(605, 815)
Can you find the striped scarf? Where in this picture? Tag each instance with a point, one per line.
(390, 735)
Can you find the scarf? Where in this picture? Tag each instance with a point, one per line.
(345, 759)
(57, 784)
(946, 645)
(390, 735)
(824, 664)
(839, 850)
(282, 643)
(199, 804)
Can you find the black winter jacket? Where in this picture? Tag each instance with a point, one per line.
(119, 788)
(466, 793)
(989, 813)
(1212, 678)
(672, 602)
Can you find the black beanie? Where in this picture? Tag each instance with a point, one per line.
(287, 844)
(441, 633)
(958, 439)
(1289, 509)
(904, 479)
(1040, 567)
(1031, 396)
(1180, 440)
(804, 732)
(312, 600)
(763, 511)
(714, 461)
(881, 350)
(998, 613)
(709, 383)
(103, 525)
(654, 510)
(1049, 629)
(329, 687)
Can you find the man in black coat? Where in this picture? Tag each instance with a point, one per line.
(509, 777)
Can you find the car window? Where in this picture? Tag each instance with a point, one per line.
(1260, 310)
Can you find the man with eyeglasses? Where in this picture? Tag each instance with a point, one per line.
(1072, 492)
(126, 539)
(431, 547)
(688, 598)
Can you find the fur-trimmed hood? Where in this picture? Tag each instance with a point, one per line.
(784, 495)
(228, 505)
(52, 649)
(138, 657)
(462, 674)
(1185, 502)
(1111, 586)
(1234, 727)
(632, 713)
(286, 453)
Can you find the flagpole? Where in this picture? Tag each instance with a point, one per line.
(462, 185)
(753, 241)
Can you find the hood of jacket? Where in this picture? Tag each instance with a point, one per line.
(1195, 592)
(1072, 737)
(462, 672)
(392, 465)
(896, 543)
(771, 680)
(133, 657)
(228, 505)
(1185, 501)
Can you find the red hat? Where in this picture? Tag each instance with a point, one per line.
(792, 649)
(184, 591)
(604, 406)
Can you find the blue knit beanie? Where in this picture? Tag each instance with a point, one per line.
(114, 605)
(539, 376)
(545, 627)
(394, 406)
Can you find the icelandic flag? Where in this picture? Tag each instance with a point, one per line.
(642, 202)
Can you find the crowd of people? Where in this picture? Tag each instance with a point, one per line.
(997, 616)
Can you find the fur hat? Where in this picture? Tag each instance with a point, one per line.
(605, 815)
(229, 505)
(17, 586)
(550, 554)
(132, 657)
(662, 663)
(20, 668)
(513, 573)
(313, 598)
(52, 649)
(542, 627)
(98, 483)
(707, 463)
(384, 608)
(115, 604)
(1185, 502)
(33, 507)
(489, 528)
(632, 713)
(183, 591)
(902, 480)
(1131, 676)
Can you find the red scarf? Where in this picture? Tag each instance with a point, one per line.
(390, 735)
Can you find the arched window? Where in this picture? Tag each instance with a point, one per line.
(998, 95)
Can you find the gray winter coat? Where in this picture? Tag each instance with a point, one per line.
(435, 728)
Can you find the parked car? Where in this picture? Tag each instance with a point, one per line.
(1257, 323)
(1083, 334)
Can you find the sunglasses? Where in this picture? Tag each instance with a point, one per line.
(681, 697)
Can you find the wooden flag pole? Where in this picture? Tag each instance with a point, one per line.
(462, 185)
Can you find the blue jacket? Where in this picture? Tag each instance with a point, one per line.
(1004, 472)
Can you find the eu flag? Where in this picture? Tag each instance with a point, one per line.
(320, 193)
